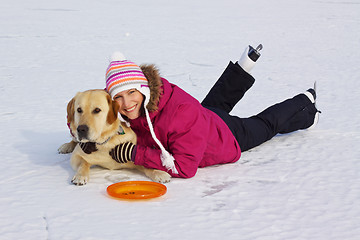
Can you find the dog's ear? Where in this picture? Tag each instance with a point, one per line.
(70, 111)
(113, 110)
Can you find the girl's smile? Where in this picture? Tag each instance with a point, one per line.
(130, 109)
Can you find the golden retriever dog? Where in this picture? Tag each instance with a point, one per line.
(96, 130)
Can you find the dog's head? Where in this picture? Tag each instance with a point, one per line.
(92, 116)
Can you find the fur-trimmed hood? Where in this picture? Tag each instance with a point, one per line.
(152, 74)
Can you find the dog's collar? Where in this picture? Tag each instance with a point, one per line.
(88, 147)
(104, 142)
(120, 132)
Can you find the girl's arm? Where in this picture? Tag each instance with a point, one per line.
(186, 142)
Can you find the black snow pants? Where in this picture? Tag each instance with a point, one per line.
(288, 116)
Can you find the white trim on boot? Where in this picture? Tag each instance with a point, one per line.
(245, 62)
(313, 100)
(316, 120)
(310, 96)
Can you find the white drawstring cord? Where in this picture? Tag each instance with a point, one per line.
(166, 158)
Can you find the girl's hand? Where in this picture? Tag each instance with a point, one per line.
(122, 153)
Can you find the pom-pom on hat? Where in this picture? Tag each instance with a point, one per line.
(123, 75)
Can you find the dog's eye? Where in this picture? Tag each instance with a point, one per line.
(97, 110)
(79, 110)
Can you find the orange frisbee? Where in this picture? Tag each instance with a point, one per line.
(136, 190)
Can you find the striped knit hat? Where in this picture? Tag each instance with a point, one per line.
(123, 75)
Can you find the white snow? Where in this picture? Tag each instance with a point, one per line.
(304, 185)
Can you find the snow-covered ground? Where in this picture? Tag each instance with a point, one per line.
(304, 185)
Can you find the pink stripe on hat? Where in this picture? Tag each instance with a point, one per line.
(125, 75)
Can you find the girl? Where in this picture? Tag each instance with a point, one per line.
(178, 134)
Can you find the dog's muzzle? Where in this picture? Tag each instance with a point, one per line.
(83, 131)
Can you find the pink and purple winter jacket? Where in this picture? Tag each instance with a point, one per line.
(194, 135)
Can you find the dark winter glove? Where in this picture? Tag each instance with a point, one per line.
(88, 147)
(122, 153)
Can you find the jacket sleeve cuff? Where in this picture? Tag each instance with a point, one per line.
(133, 154)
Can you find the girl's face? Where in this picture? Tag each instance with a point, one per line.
(130, 102)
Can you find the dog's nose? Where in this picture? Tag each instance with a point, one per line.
(82, 131)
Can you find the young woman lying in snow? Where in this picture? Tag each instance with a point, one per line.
(177, 134)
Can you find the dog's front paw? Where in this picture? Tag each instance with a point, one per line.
(160, 176)
(80, 180)
(67, 147)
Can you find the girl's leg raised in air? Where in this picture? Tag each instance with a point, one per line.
(233, 83)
